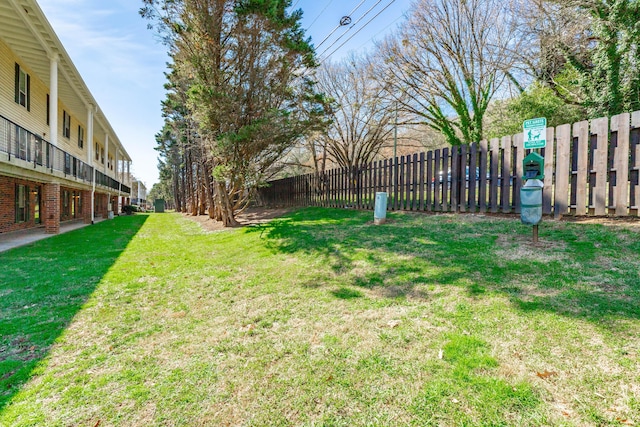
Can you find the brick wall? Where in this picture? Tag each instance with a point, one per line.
(52, 208)
(8, 204)
(86, 206)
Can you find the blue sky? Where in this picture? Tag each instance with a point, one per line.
(122, 62)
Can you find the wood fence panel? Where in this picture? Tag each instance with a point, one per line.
(634, 166)
(400, 184)
(380, 187)
(334, 188)
(344, 187)
(493, 174)
(482, 190)
(561, 195)
(371, 191)
(505, 196)
(464, 166)
(390, 188)
(579, 167)
(421, 182)
(385, 178)
(436, 183)
(430, 182)
(455, 178)
(473, 165)
(620, 125)
(446, 174)
(414, 183)
(518, 145)
(598, 182)
(547, 193)
(394, 174)
(407, 182)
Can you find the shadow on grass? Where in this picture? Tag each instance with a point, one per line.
(584, 270)
(44, 285)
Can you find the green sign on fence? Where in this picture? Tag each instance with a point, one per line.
(535, 133)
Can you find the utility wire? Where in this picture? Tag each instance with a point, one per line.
(338, 26)
(320, 14)
(354, 34)
(381, 31)
(351, 27)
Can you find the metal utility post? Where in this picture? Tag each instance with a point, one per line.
(395, 148)
(395, 133)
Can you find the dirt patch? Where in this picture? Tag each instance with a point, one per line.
(630, 222)
(250, 216)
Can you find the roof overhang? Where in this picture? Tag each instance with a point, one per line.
(27, 32)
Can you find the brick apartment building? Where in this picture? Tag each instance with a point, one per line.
(60, 159)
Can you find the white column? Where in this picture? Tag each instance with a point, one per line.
(89, 140)
(53, 99)
(106, 154)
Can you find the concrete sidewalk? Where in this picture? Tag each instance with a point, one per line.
(15, 239)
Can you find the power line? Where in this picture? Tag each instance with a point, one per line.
(353, 25)
(354, 34)
(339, 25)
(381, 31)
(320, 14)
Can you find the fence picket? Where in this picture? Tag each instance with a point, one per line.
(579, 167)
(620, 125)
(482, 189)
(455, 178)
(473, 165)
(494, 154)
(518, 145)
(430, 182)
(561, 195)
(446, 175)
(506, 174)
(548, 172)
(600, 137)
(464, 165)
(634, 165)
(436, 183)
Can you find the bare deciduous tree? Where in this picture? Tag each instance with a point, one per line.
(361, 117)
(449, 59)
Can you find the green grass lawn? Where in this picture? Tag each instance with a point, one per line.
(322, 318)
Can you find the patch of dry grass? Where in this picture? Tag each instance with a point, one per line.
(320, 318)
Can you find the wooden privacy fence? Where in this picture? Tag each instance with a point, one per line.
(590, 169)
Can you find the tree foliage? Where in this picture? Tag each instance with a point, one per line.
(238, 67)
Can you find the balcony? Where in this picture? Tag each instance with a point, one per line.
(19, 143)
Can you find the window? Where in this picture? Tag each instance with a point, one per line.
(48, 113)
(22, 203)
(97, 152)
(66, 124)
(22, 147)
(37, 146)
(102, 155)
(67, 163)
(66, 205)
(80, 137)
(23, 88)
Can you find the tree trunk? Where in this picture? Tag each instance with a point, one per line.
(208, 182)
(225, 206)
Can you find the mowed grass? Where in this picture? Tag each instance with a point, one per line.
(322, 318)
